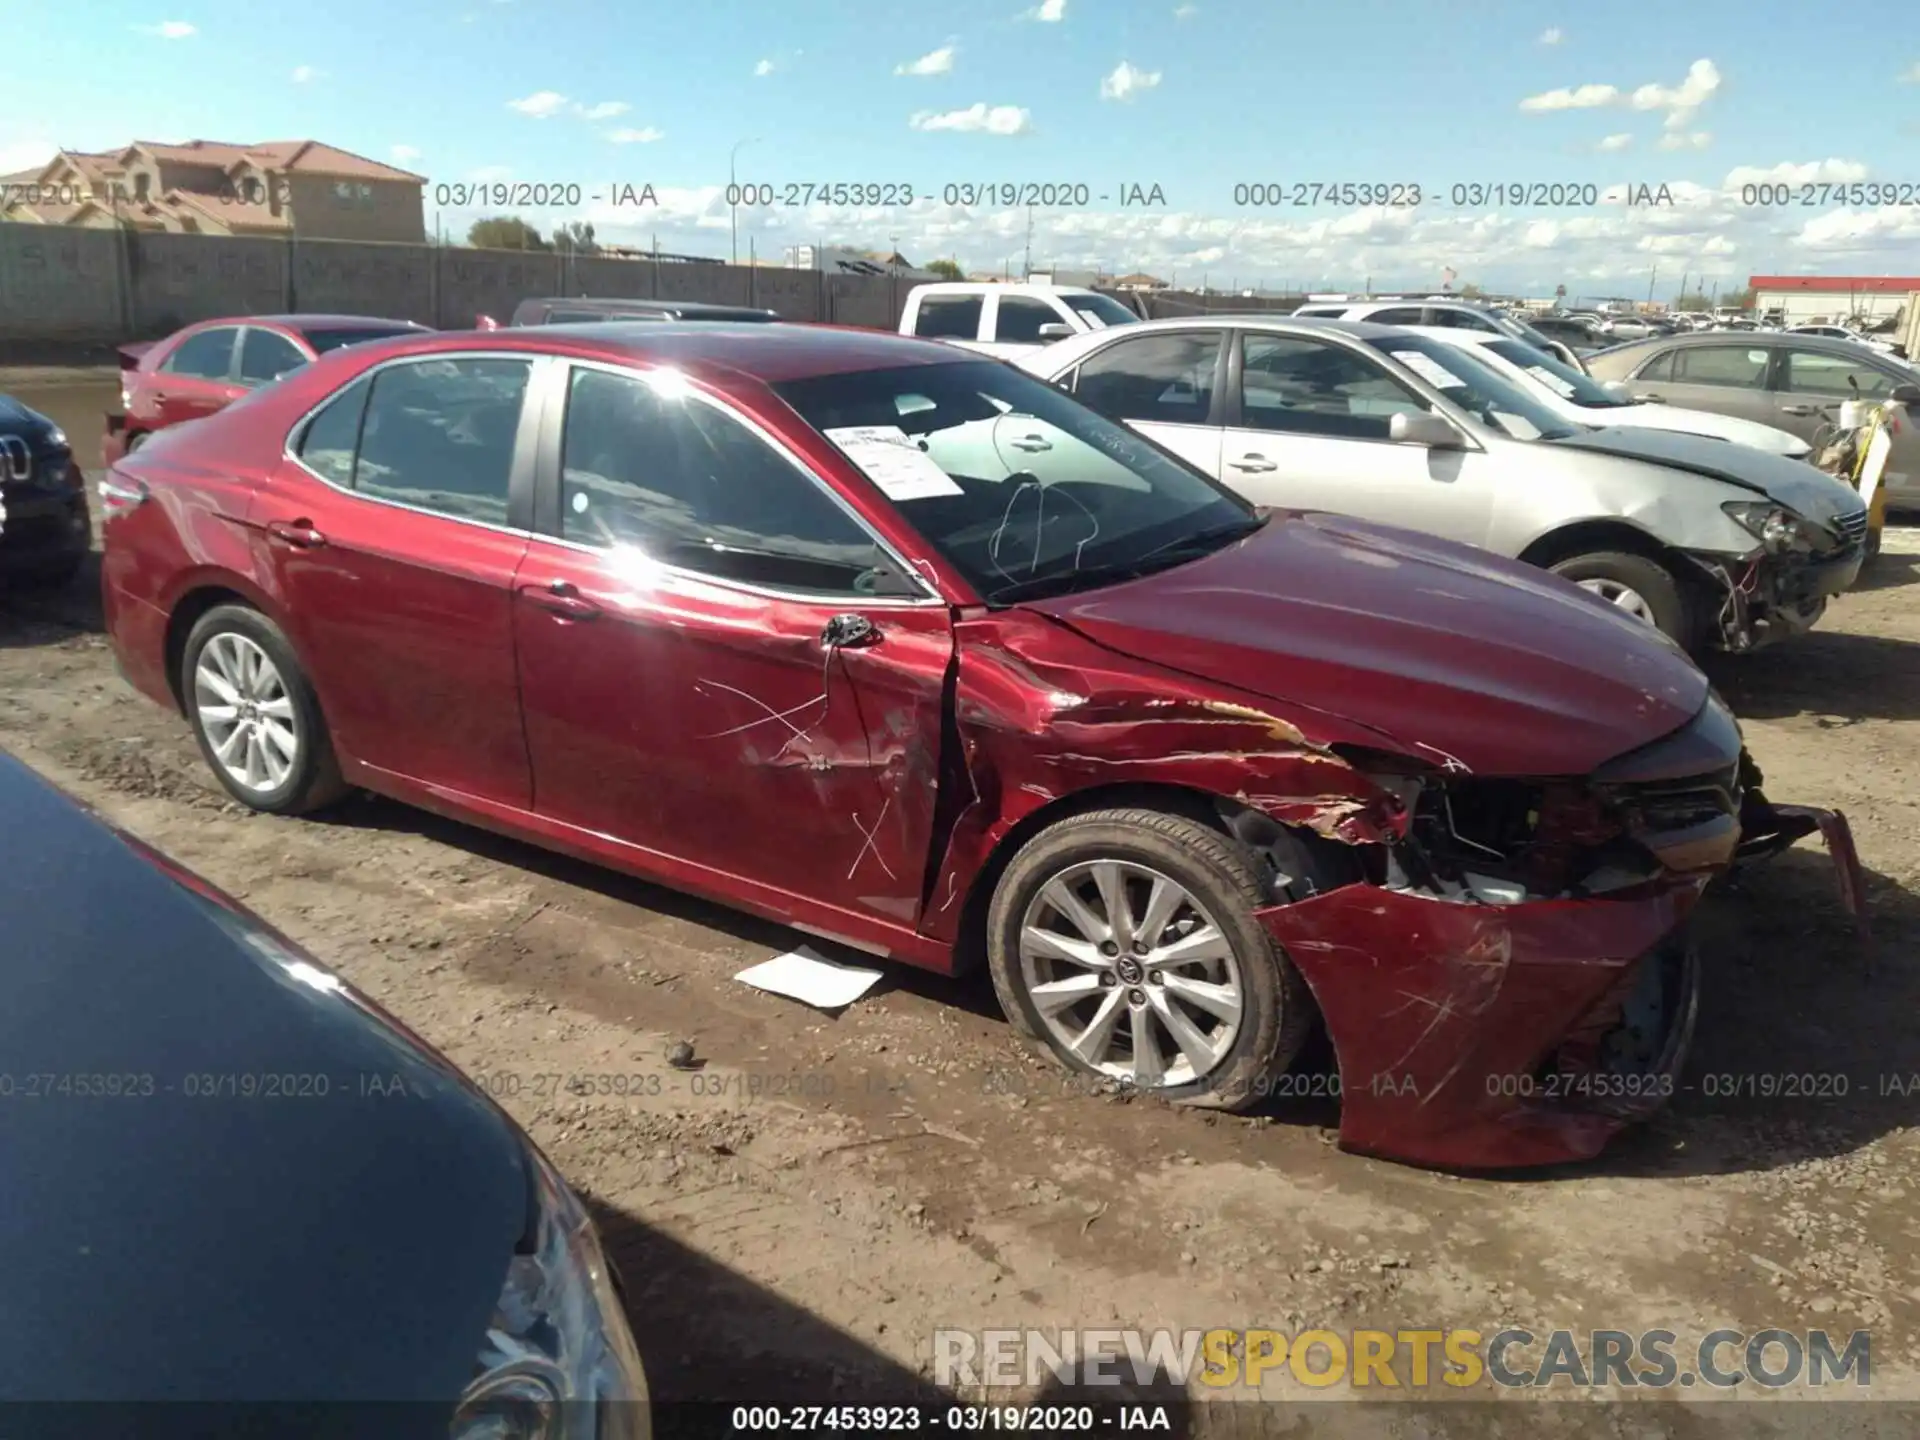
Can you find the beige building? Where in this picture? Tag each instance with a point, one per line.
(205, 187)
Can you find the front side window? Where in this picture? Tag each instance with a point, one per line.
(266, 356)
(1018, 486)
(439, 435)
(1813, 372)
(1020, 319)
(949, 317)
(1100, 311)
(1657, 369)
(649, 467)
(1167, 378)
(205, 356)
(334, 339)
(1402, 315)
(1465, 320)
(1295, 385)
(1742, 367)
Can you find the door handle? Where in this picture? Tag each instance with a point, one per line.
(1254, 463)
(849, 632)
(562, 598)
(298, 533)
(1800, 409)
(1032, 444)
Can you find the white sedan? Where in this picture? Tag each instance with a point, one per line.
(1588, 401)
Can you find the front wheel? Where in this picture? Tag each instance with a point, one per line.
(1635, 585)
(1123, 942)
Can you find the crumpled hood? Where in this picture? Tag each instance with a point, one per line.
(1452, 651)
(1687, 421)
(1793, 483)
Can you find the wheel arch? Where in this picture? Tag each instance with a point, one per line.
(194, 597)
(1580, 537)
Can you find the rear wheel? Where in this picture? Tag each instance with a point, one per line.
(1637, 586)
(255, 715)
(1123, 942)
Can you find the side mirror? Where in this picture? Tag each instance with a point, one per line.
(1428, 430)
(1905, 395)
(1056, 330)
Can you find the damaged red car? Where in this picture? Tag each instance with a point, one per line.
(908, 649)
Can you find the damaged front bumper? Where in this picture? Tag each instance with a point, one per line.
(1766, 597)
(1485, 1025)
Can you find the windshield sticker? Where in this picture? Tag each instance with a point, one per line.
(893, 461)
(1552, 381)
(1429, 369)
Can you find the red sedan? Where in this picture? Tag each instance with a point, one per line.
(205, 367)
(907, 648)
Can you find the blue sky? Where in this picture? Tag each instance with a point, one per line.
(1705, 97)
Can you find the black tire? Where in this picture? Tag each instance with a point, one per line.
(1214, 869)
(314, 778)
(1672, 607)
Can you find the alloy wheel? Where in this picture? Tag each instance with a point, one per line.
(244, 709)
(1130, 974)
(1624, 597)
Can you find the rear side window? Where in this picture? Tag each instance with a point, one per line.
(327, 445)
(1742, 367)
(435, 434)
(207, 356)
(1169, 378)
(949, 317)
(1404, 315)
(266, 356)
(1463, 320)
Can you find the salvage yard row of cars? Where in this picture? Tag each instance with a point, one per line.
(1209, 681)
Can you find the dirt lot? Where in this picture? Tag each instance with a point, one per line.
(828, 1191)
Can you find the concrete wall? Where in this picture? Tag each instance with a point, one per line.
(85, 286)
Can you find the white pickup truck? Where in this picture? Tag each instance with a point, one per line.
(1010, 320)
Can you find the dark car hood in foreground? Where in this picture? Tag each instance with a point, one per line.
(1792, 483)
(1446, 648)
(173, 1245)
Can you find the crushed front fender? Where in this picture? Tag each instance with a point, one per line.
(1472, 1036)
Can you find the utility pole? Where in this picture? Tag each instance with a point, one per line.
(1651, 281)
(1027, 269)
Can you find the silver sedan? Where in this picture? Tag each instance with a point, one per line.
(1720, 546)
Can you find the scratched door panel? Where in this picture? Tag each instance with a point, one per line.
(698, 720)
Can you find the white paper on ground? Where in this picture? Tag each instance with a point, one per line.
(890, 459)
(813, 979)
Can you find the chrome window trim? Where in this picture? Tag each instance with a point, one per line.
(908, 570)
(287, 452)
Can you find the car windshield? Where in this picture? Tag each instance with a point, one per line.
(324, 340)
(1100, 311)
(1476, 387)
(1017, 485)
(1563, 380)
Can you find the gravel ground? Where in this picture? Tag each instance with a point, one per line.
(825, 1192)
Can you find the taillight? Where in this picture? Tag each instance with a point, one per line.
(120, 495)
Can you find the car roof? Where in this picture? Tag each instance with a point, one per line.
(312, 322)
(1014, 287)
(1253, 319)
(771, 353)
(616, 306)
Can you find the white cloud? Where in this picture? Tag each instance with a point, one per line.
(1185, 12)
(1126, 81)
(304, 73)
(169, 29)
(1615, 142)
(1048, 12)
(765, 67)
(488, 173)
(1686, 140)
(934, 62)
(978, 117)
(541, 105)
(404, 153)
(636, 137)
(1811, 172)
(1911, 76)
(1580, 97)
(1682, 100)
(1552, 35)
(605, 110)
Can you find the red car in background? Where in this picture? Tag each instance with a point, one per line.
(908, 648)
(198, 370)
